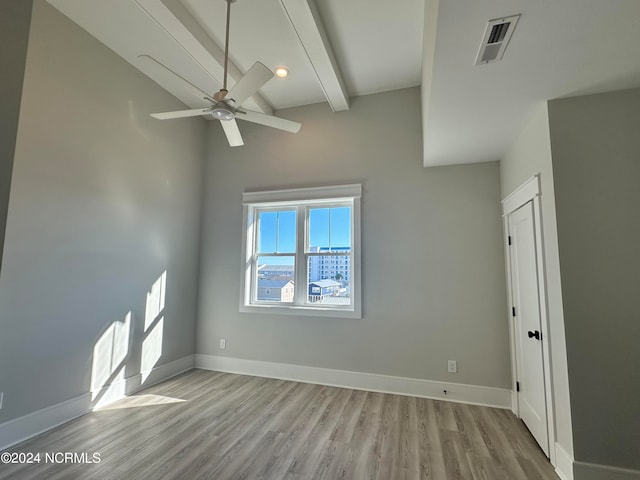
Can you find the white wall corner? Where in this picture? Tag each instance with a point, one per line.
(20, 429)
(564, 463)
(456, 392)
(158, 374)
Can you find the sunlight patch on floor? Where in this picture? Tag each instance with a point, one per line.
(135, 401)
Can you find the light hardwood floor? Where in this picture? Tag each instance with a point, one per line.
(234, 427)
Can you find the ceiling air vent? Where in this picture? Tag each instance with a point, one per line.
(496, 38)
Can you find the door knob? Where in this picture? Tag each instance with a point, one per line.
(534, 334)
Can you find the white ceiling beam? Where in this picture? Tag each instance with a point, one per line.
(172, 82)
(178, 23)
(307, 24)
(428, 58)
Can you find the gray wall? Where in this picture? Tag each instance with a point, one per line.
(596, 166)
(103, 200)
(15, 18)
(530, 155)
(433, 277)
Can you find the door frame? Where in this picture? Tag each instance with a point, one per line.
(530, 191)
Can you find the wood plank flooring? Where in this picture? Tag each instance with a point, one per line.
(209, 425)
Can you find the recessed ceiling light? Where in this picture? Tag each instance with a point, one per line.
(282, 72)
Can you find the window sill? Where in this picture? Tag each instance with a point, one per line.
(302, 311)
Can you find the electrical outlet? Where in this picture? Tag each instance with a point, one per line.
(223, 344)
(452, 366)
(1, 398)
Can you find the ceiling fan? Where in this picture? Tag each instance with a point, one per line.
(225, 104)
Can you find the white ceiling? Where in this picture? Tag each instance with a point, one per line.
(559, 48)
(341, 48)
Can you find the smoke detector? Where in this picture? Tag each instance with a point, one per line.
(496, 38)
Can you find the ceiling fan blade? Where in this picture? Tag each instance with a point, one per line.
(181, 114)
(250, 83)
(232, 132)
(269, 121)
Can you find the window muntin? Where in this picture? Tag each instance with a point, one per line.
(276, 230)
(330, 226)
(302, 256)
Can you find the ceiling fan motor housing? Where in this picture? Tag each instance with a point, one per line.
(223, 112)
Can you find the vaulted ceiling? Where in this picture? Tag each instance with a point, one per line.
(336, 49)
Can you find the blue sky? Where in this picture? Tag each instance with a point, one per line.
(328, 227)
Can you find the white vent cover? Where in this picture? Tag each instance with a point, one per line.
(496, 38)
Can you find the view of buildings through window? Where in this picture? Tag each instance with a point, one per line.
(327, 251)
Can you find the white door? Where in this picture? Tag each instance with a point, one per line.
(529, 343)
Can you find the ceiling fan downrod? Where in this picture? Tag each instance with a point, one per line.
(219, 96)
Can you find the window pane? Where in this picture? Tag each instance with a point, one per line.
(330, 229)
(267, 222)
(329, 279)
(277, 232)
(340, 227)
(286, 232)
(319, 227)
(275, 279)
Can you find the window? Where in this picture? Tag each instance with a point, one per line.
(301, 252)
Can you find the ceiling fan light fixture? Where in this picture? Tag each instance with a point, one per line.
(222, 112)
(282, 72)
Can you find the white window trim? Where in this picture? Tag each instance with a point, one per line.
(318, 195)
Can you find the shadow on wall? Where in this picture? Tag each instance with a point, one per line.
(112, 351)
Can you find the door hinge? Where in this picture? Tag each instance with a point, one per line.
(517, 386)
(509, 239)
(513, 311)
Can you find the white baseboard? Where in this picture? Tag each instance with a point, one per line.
(20, 429)
(456, 392)
(564, 463)
(593, 471)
